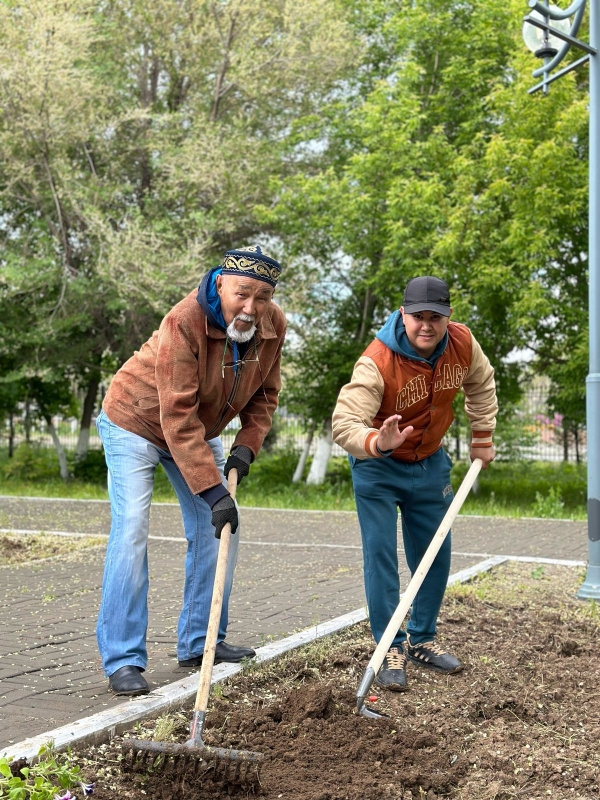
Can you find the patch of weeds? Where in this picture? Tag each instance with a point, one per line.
(165, 728)
(217, 691)
(267, 638)
(474, 590)
(168, 727)
(461, 593)
(591, 611)
(538, 572)
(19, 548)
(307, 661)
(500, 586)
(550, 505)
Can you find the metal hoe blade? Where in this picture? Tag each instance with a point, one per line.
(361, 693)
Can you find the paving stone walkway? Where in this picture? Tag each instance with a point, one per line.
(295, 569)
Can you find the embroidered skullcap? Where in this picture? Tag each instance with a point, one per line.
(253, 262)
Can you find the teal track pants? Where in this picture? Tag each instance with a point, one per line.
(423, 493)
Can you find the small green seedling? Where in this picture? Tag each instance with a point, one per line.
(538, 572)
(52, 776)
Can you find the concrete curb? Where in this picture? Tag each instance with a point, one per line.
(104, 725)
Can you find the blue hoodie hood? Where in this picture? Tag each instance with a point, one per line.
(209, 299)
(393, 335)
(210, 302)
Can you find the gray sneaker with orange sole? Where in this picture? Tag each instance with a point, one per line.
(392, 673)
(431, 655)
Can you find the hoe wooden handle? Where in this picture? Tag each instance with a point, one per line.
(423, 568)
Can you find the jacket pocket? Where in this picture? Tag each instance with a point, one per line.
(146, 404)
(354, 462)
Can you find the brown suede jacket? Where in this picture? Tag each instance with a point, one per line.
(176, 393)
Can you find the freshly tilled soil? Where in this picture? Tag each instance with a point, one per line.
(521, 721)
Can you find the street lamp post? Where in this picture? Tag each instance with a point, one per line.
(557, 38)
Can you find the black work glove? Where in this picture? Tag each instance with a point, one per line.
(224, 511)
(240, 459)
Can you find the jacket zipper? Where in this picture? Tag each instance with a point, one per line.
(229, 401)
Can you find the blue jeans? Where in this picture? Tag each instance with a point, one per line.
(123, 616)
(422, 492)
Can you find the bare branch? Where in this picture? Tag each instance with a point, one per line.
(227, 43)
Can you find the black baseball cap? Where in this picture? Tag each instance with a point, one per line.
(427, 294)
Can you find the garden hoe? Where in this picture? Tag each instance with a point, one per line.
(194, 755)
(411, 590)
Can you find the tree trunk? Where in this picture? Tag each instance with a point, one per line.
(27, 423)
(89, 404)
(299, 472)
(576, 435)
(11, 435)
(565, 443)
(62, 458)
(318, 468)
(220, 89)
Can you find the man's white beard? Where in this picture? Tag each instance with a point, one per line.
(241, 336)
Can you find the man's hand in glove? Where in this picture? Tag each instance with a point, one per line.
(240, 459)
(224, 511)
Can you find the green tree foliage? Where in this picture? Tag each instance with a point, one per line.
(135, 141)
(519, 218)
(374, 139)
(437, 160)
(371, 212)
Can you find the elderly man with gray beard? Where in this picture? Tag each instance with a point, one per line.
(216, 355)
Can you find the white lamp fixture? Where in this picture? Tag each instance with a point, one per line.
(541, 43)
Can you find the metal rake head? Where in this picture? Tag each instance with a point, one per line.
(182, 760)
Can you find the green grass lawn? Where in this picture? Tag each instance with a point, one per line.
(512, 489)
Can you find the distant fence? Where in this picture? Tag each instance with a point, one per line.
(533, 434)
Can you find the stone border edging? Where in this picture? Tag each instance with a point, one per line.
(107, 724)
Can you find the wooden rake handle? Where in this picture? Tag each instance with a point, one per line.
(212, 632)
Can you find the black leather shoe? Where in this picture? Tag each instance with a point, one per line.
(223, 652)
(129, 681)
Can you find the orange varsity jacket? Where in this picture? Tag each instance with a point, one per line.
(385, 382)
